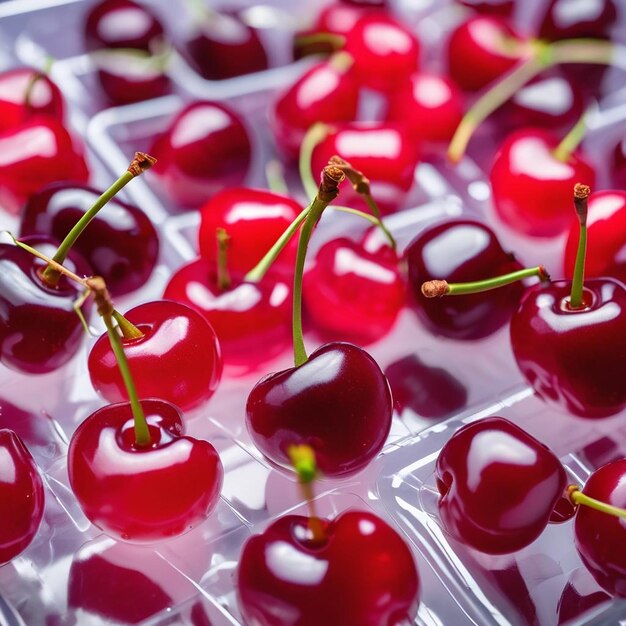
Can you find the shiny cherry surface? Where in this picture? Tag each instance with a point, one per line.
(606, 237)
(338, 402)
(567, 19)
(579, 595)
(461, 251)
(120, 243)
(532, 189)
(498, 486)
(574, 359)
(338, 290)
(39, 329)
(601, 538)
(205, 149)
(142, 494)
(21, 496)
(178, 359)
(362, 574)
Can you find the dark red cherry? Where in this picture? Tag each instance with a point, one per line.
(205, 149)
(327, 92)
(503, 8)
(142, 494)
(178, 358)
(599, 537)
(338, 290)
(574, 358)
(366, 3)
(570, 19)
(462, 251)
(532, 188)
(481, 49)
(254, 219)
(361, 574)
(21, 496)
(385, 51)
(498, 486)
(606, 232)
(251, 320)
(26, 93)
(338, 403)
(39, 329)
(431, 106)
(120, 243)
(618, 165)
(121, 24)
(38, 152)
(580, 594)
(384, 152)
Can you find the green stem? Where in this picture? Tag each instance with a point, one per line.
(572, 140)
(223, 277)
(313, 137)
(274, 174)
(581, 195)
(577, 497)
(336, 41)
(128, 329)
(438, 288)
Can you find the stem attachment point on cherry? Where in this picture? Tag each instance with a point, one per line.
(224, 281)
(578, 498)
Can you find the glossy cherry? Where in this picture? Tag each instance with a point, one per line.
(498, 486)
(178, 358)
(205, 149)
(21, 496)
(599, 537)
(491, 7)
(120, 243)
(142, 494)
(564, 19)
(338, 402)
(39, 329)
(532, 187)
(338, 290)
(606, 228)
(461, 250)
(361, 574)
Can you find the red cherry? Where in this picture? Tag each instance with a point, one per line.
(384, 50)
(532, 188)
(574, 358)
(606, 232)
(142, 494)
(205, 149)
(254, 219)
(498, 486)
(338, 292)
(251, 320)
(327, 92)
(491, 7)
(363, 574)
(462, 251)
(338, 403)
(120, 243)
(383, 152)
(430, 106)
(599, 537)
(481, 49)
(178, 358)
(568, 19)
(21, 496)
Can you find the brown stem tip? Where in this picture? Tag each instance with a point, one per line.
(581, 202)
(435, 288)
(360, 182)
(569, 492)
(141, 163)
(101, 294)
(581, 191)
(332, 176)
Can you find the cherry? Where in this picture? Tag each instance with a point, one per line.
(120, 244)
(618, 164)
(142, 493)
(35, 153)
(361, 574)
(462, 250)
(532, 184)
(498, 486)
(567, 19)
(327, 92)
(491, 7)
(482, 49)
(254, 219)
(338, 291)
(21, 496)
(431, 106)
(606, 226)
(384, 50)
(205, 149)
(177, 359)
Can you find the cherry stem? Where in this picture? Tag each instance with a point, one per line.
(106, 311)
(315, 135)
(275, 176)
(223, 277)
(34, 78)
(337, 41)
(572, 140)
(157, 60)
(581, 202)
(439, 288)
(596, 51)
(140, 163)
(328, 190)
(577, 497)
